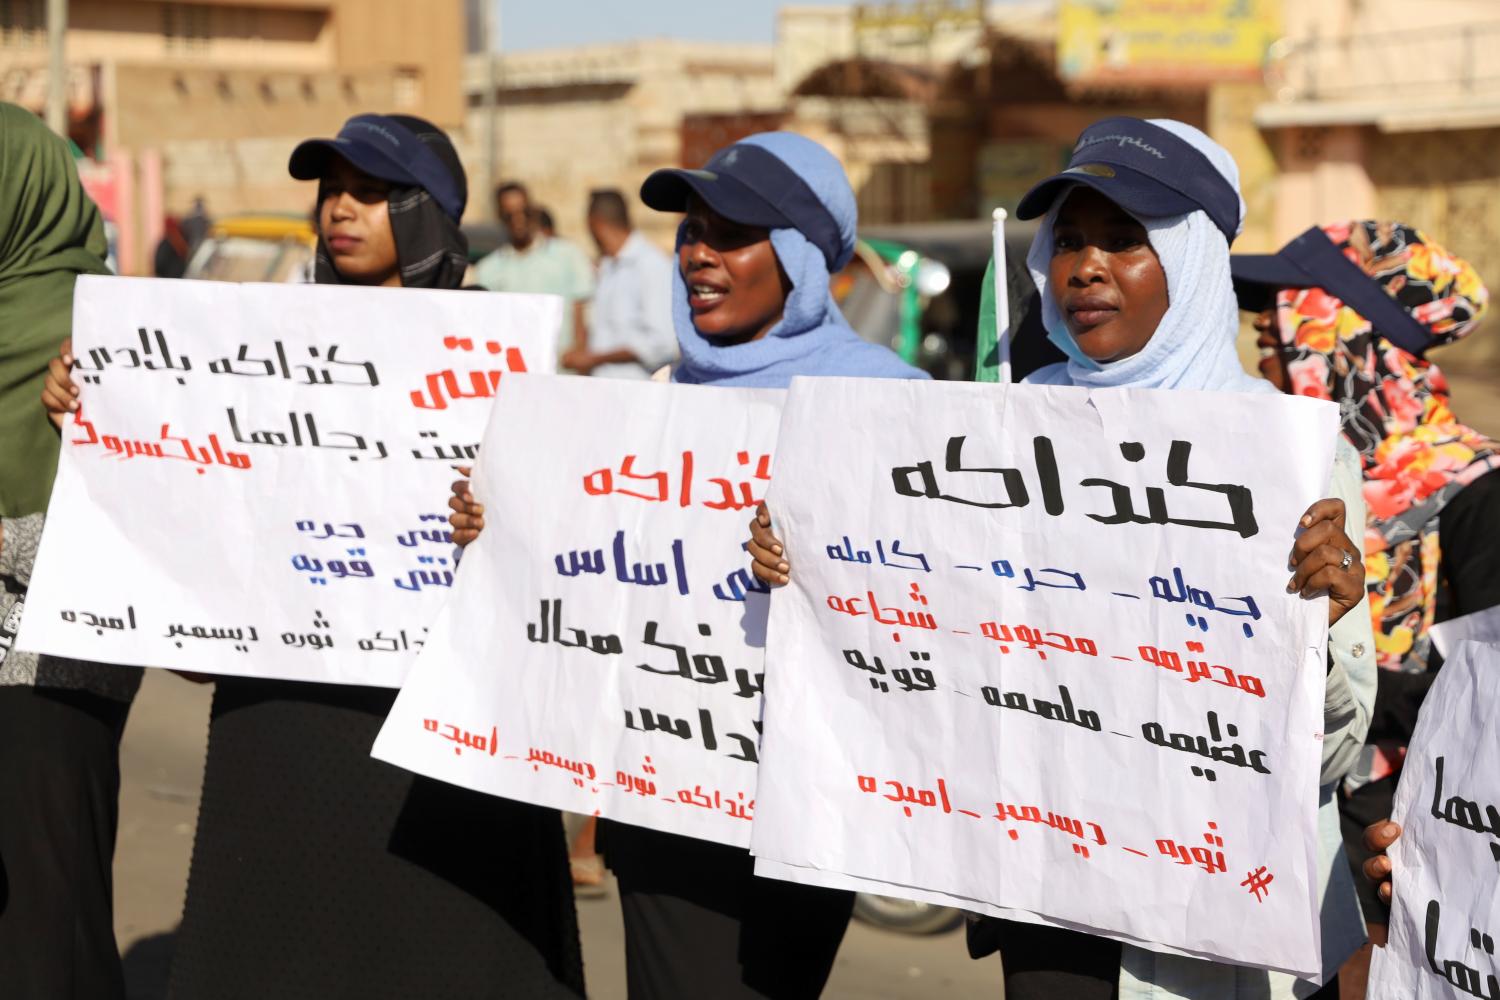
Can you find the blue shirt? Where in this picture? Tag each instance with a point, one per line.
(633, 310)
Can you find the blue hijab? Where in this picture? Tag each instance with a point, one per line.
(813, 338)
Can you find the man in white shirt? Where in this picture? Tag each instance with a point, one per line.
(631, 334)
(535, 262)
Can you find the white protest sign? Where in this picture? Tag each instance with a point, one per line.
(1445, 914)
(257, 481)
(1038, 652)
(602, 648)
(1481, 626)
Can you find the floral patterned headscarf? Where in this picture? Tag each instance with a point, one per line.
(1394, 406)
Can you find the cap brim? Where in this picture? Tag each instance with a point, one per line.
(1136, 193)
(1258, 277)
(669, 190)
(309, 160)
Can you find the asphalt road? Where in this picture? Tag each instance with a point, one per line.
(161, 764)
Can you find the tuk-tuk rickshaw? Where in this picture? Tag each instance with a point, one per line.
(921, 290)
(260, 247)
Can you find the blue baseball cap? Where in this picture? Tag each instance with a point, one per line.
(400, 149)
(1147, 170)
(1313, 260)
(749, 184)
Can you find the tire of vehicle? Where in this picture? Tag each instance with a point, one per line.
(904, 915)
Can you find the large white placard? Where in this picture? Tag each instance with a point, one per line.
(602, 649)
(256, 483)
(1445, 915)
(1480, 626)
(1038, 652)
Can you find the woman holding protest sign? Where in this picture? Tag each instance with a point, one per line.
(1132, 263)
(768, 221)
(60, 720)
(1347, 313)
(318, 871)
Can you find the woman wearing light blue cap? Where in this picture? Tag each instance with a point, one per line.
(767, 221)
(1132, 263)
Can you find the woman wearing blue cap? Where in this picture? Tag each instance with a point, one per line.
(1132, 263)
(317, 871)
(768, 221)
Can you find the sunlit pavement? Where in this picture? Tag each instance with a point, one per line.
(161, 765)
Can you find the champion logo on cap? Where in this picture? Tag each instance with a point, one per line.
(384, 133)
(1146, 169)
(1123, 140)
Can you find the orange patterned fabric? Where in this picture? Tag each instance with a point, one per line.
(1415, 452)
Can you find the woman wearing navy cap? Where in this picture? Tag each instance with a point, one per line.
(317, 871)
(767, 221)
(1132, 262)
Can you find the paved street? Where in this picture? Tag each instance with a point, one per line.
(162, 766)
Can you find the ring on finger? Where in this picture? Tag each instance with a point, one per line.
(1347, 561)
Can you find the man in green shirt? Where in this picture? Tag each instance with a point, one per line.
(534, 262)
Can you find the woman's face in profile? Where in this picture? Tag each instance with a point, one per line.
(354, 220)
(1104, 277)
(1272, 362)
(736, 287)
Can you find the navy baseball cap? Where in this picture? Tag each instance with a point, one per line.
(750, 185)
(1146, 170)
(1312, 260)
(398, 148)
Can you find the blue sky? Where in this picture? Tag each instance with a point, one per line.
(541, 24)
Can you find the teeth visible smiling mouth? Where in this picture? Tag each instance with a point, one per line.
(708, 292)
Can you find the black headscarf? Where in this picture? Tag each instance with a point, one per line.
(431, 250)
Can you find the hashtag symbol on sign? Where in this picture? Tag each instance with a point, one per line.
(1258, 882)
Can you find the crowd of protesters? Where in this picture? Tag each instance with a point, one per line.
(348, 877)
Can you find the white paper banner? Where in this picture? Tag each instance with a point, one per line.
(1445, 916)
(1481, 626)
(602, 649)
(257, 481)
(1038, 652)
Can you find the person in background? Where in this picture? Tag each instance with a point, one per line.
(318, 871)
(768, 221)
(195, 225)
(60, 720)
(1347, 313)
(544, 223)
(532, 261)
(631, 333)
(1146, 208)
(629, 336)
(171, 251)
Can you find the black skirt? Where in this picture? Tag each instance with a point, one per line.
(699, 923)
(59, 807)
(320, 872)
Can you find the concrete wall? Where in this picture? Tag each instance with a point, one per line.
(224, 136)
(605, 116)
(1447, 184)
(241, 34)
(423, 40)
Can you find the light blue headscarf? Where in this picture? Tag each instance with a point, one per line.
(813, 338)
(1194, 345)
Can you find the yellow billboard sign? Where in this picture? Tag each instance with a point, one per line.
(1164, 41)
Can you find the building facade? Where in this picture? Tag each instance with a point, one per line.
(171, 102)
